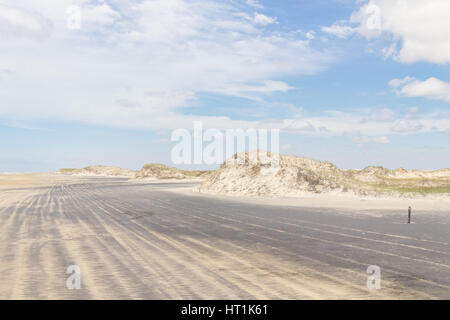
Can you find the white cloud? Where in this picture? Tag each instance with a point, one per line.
(339, 29)
(310, 35)
(5, 73)
(255, 4)
(390, 51)
(155, 58)
(431, 88)
(365, 129)
(421, 28)
(143, 61)
(413, 109)
(20, 22)
(101, 14)
(365, 140)
(295, 111)
(414, 30)
(263, 19)
(404, 126)
(383, 114)
(382, 140)
(252, 91)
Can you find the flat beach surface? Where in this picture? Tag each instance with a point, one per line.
(136, 240)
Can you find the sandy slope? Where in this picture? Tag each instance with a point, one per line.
(248, 174)
(355, 203)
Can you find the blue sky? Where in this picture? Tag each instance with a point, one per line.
(352, 82)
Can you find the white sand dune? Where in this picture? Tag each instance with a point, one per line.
(248, 174)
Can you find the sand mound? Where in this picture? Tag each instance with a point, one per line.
(251, 174)
(103, 171)
(155, 171)
(69, 171)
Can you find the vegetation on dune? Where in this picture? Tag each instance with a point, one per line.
(290, 175)
(97, 171)
(161, 171)
(69, 170)
(298, 176)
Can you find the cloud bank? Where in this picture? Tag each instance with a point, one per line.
(415, 30)
(137, 64)
(432, 88)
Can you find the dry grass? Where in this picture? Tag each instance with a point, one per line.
(161, 171)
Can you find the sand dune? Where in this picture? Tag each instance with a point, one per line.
(151, 172)
(154, 171)
(247, 174)
(99, 170)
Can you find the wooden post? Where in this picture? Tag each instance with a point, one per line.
(409, 215)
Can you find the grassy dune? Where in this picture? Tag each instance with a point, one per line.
(296, 176)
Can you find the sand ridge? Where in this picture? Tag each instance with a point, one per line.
(259, 173)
